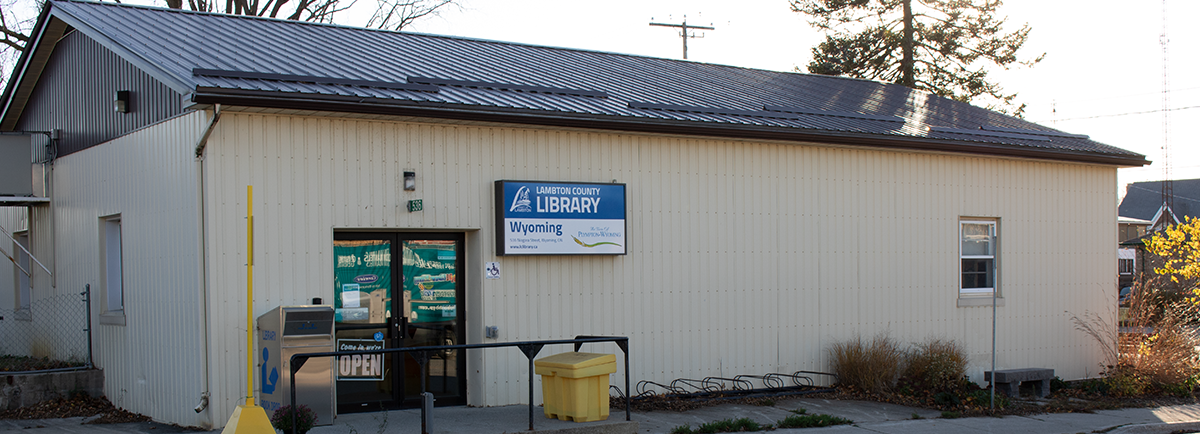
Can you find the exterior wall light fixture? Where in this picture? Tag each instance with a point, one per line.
(410, 181)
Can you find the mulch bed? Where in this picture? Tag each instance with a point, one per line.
(77, 406)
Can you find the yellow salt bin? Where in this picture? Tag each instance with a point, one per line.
(575, 385)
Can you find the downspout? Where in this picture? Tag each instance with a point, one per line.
(202, 201)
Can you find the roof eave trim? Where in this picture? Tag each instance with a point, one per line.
(558, 119)
(19, 78)
(171, 80)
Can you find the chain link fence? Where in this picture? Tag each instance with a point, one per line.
(53, 334)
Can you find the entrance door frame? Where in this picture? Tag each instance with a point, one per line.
(395, 239)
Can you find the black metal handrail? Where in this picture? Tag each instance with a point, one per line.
(529, 348)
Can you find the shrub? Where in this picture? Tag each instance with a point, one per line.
(869, 366)
(305, 419)
(1159, 351)
(936, 365)
(1057, 384)
(1124, 381)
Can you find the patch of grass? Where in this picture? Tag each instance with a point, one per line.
(812, 421)
(951, 415)
(767, 402)
(871, 366)
(744, 424)
(916, 416)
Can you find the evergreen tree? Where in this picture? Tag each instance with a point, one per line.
(940, 46)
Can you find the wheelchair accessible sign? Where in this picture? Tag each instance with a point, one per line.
(551, 218)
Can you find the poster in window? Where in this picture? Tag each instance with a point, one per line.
(362, 281)
(430, 280)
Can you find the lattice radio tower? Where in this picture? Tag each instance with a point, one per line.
(1168, 187)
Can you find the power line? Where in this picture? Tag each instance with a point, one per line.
(1121, 114)
(1112, 97)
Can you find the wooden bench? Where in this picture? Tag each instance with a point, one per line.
(1009, 381)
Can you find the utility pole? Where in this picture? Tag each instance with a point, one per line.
(684, 34)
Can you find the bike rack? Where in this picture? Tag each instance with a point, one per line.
(740, 386)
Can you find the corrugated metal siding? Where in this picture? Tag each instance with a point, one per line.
(154, 365)
(744, 258)
(76, 90)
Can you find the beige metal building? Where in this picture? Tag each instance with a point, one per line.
(765, 214)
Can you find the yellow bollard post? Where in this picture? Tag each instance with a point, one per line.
(249, 418)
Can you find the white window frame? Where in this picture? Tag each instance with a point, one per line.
(1129, 270)
(980, 296)
(1132, 258)
(112, 274)
(23, 296)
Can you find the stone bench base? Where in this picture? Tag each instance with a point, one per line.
(1009, 381)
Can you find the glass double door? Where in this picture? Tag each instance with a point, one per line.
(396, 290)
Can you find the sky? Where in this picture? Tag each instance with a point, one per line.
(1102, 74)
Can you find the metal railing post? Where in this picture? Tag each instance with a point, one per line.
(628, 397)
(87, 300)
(531, 393)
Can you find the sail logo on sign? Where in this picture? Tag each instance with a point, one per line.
(521, 201)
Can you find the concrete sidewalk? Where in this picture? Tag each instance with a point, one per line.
(868, 417)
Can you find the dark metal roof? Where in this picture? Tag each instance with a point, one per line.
(275, 63)
(1143, 200)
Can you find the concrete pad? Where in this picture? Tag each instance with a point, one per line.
(869, 417)
(923, 426)
(74, 425)
(665, 421)
(506, 419)
(859, 411)
(1161, 428)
